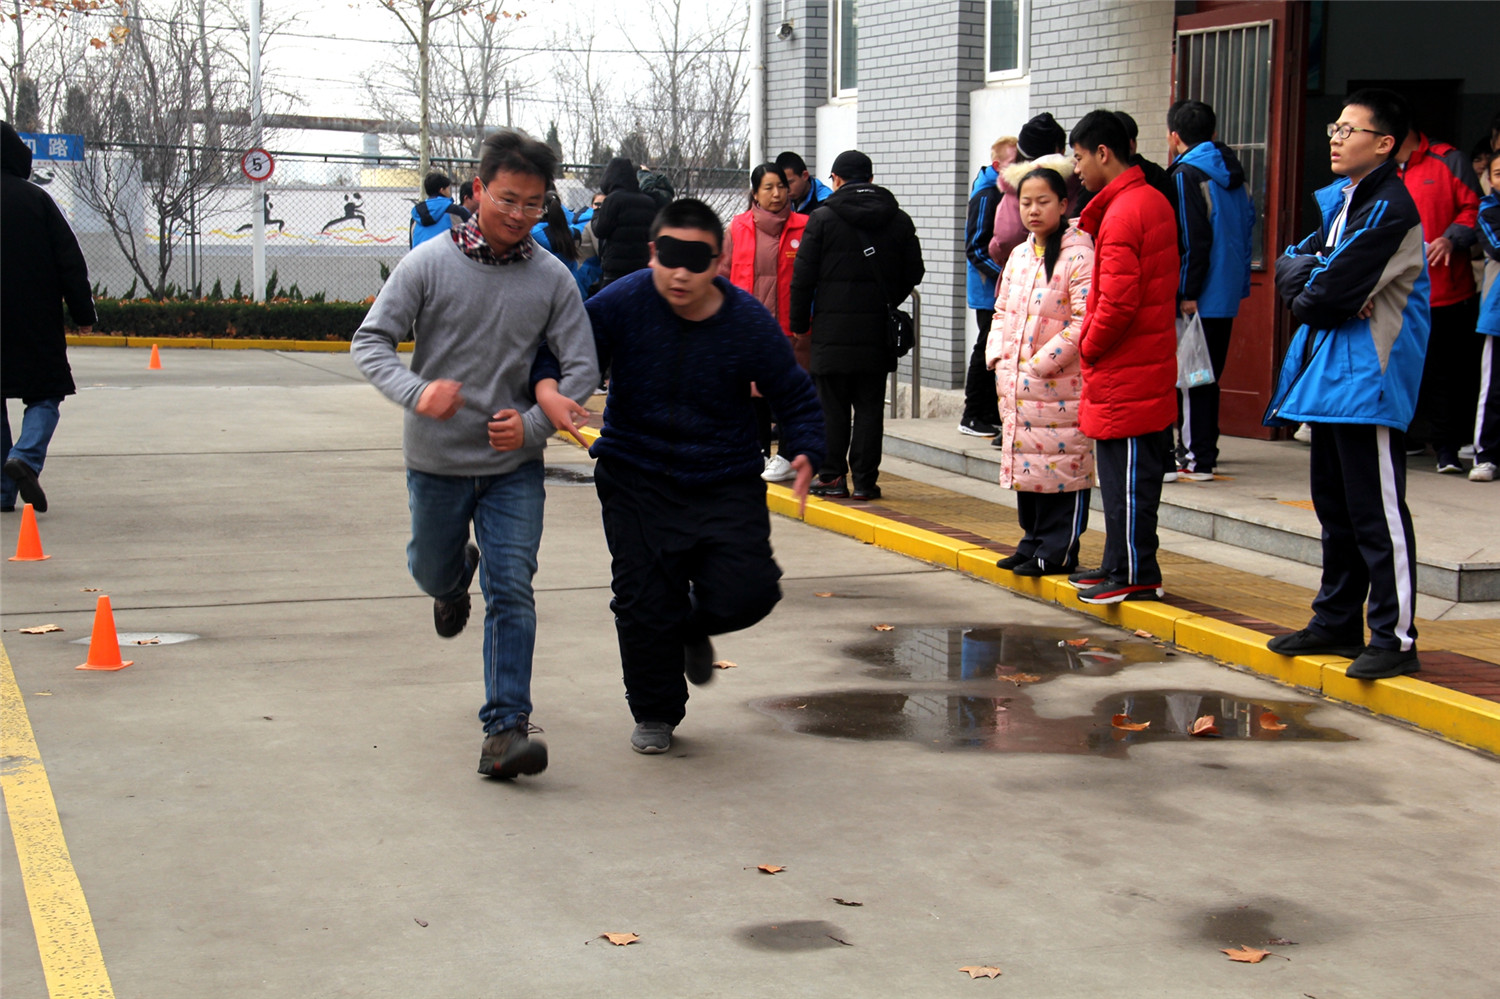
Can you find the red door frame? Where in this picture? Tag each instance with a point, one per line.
(1264, 327)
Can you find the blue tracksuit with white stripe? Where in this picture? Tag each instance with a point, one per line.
(1487, 419)
(1360, 288)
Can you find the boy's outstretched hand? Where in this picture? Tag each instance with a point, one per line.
(804, 480)
(564, 414)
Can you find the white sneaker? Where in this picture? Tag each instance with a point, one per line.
(1169, 476)
(1484, 471)
(778, 469)
(1303, 434)
(1183, 473)
(1467, 451)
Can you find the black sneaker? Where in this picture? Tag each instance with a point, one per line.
(1113, 593)
(977, 428)
(512, 751)
(698, 660)
(834, 488)
(1039, 567)
(1383, 664)
(1012, 562)
(998, 442)
(26, 484)
(652, 738)
(450, 616)
(1310, 643)
(1447, 464)
(1088, 577)
(866, 493)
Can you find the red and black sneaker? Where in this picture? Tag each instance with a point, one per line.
(1113, 593)
(834, 488)
(1088, 577)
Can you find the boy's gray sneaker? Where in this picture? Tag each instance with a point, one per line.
(512, 751)
(450, 616)
(652, 737)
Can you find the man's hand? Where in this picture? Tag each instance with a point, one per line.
(1438, 252)
(507, 432)
(440, 399)
(1188, 306)
(804, 479)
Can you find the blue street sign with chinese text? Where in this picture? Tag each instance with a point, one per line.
(45, 146)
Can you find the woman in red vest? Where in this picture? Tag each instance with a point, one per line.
(759, 248)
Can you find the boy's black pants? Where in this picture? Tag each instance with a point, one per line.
(687, 561)
(1130, 471)
(980, 399)
(853, 445)
(1198, 408)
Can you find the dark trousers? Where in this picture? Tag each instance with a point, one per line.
(1198, 408)
(1450, 377)
(1358, 478)
(687, 561)
(1487, 417)
(980, 400)
(1130, 471)
(852, 448)
(1054, 524)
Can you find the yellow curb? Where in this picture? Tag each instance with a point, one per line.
(780, 500)
(1157, 618)
(198, 342)
(1238, 644)
(980, 562)
(929, 546)
(219, 343)
(1464, 718)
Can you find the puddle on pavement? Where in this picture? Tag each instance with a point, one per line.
(988, 653)
(794, 935)
(146, 638)
(568, 475)
(1009, 724)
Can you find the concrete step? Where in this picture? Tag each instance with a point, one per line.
(1260, 502)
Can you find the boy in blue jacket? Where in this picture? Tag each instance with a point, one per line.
(981, 417)
(1214, 222)
(1359, 287)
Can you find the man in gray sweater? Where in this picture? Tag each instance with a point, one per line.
(481, 301)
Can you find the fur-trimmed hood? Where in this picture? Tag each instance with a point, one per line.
(1011, 175)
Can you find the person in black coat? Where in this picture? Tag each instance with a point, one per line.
(623, 222)
(850, 353)
(41, 265)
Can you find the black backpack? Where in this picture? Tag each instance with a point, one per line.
(656, 185)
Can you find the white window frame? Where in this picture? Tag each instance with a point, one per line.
(835, 47)
(1023, 54)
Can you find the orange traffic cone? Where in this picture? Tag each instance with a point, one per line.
(155, 364)
(29, 544)
(104, 647)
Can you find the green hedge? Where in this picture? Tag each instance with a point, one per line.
(276, 320)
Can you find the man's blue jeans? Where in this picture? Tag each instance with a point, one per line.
(37, 426)
(506, 511)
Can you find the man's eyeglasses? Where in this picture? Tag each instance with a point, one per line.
(508, 207)
(1342, 132)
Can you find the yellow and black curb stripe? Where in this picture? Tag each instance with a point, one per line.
(218, 343)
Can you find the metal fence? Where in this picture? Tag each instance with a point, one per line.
(335, 224)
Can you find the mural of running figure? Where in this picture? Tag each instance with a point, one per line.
(280, 224)
(353, 211)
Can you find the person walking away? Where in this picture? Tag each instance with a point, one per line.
(759, 249)
(859, 258)
(481, 301)
(1441, 181)
(678, 470)
(1359, 286)
(555, 233)
(1033, 351)
(41, 268)
(1487, 415)
(438, 214)
(623, 222)
(1215, 219)
(1128, 349)
(981, 418)
(808, 192)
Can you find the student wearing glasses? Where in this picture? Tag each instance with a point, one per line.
(1359, 286)
(481, 302)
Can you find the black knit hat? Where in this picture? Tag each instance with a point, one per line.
(853, 166)
(1041, 136)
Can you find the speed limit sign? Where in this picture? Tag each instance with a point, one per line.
(257, 165)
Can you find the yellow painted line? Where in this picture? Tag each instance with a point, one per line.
(65, 937)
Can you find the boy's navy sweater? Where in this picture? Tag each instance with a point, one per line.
(679, 391)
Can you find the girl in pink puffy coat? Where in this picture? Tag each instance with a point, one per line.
(1033, 350)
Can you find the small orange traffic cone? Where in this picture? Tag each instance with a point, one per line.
(155, 364)
(104, 647)
(29, 544)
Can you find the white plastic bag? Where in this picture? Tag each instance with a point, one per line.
(1194, 367)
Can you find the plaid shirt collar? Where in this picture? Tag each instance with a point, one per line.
(472, 242)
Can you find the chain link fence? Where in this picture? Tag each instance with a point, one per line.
(335, 224)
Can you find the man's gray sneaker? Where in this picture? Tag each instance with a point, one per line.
(651, 737)
(512, 751)
(450, 616)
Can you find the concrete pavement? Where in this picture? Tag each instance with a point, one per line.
(272, 807)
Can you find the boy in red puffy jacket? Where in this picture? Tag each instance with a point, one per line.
(1129, 352)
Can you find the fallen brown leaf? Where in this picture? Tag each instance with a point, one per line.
(975, 971)
(844, 901)
(620, 939)
(41, 629)
(1246, 955)
(883, 627)
(1077, 643)
(1124, 722)
(420, 922)
(1143, 633)
(1204, 726)
(1270, 723)
(822, 594)
(148, 641)
(770, 868)
(90, 589)
(1019, 678)
(725, 664)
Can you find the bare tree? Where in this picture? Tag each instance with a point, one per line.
(31, 74)
(589, 118)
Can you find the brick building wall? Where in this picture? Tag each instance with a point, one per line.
(796, 78)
